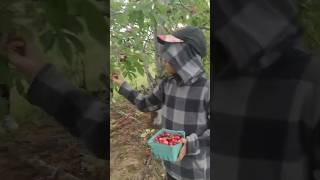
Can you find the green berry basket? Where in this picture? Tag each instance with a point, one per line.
(162, 151)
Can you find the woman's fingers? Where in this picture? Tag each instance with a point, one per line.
(115, 76)
(15, 45)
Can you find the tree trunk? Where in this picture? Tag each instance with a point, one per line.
(146, 70)
(149, 76)
(160, 67)
(157, 52)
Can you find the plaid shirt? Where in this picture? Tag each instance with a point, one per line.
(185, 101)
(266, 93)
(81, 114)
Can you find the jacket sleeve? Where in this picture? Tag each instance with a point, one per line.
(194, 142)
(145, 103)
(315, 157)
(80, 113)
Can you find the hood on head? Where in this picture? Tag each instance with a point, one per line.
(185, 60)
(191, 35)
(253, 33)
(185, 49)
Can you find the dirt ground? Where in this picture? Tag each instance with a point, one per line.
(46, 152)
(130, 157)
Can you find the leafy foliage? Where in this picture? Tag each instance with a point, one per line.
(309, 18)
(56, 24)
(135, 23)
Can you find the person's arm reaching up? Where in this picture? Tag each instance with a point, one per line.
(145, 103)
(81, 114)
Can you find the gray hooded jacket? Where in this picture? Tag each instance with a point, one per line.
(185, 102)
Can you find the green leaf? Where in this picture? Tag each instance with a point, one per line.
(122, 18)
(76, 42)
(130, 75)
(93, 17)
(140, 70)
(47, 40)
(136, 64)
(116, 6)
(73, 24)
(137, 16)
(65, 48)
(162, 9)
(125, 73)
(56, 11)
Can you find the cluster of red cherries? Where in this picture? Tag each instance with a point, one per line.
(168, 138)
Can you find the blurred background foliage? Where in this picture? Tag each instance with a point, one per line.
(73, 35)
(309, 18)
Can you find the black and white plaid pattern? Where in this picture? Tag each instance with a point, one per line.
(266, 125)
(266, 107)
(185, 61)
(185, 101)
(249, 30)
(81, 114)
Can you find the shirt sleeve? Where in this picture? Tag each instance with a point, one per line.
(316, 137)
(145, 103)
(80, 113)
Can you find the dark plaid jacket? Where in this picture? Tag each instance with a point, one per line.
(80, 113)
(185, 101)
(266, 95)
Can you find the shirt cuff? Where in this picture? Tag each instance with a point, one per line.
(193, 147)
(47, 88)
(125, 89)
